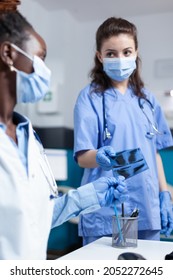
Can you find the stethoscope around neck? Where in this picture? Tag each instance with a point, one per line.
(141, 102)
(154, 131)
(106, 132)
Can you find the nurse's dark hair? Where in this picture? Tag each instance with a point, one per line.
(113, 27)
(13, 27)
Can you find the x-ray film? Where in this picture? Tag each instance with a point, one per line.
(128, 163)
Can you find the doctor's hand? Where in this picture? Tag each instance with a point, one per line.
(166, 213)
(103, 156)
(110, 189)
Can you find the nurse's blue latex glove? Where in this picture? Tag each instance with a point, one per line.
(103, 157)
(110, 189)
(166, 213)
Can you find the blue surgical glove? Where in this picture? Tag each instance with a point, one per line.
(110, 189)
(103, 157)
(166, 213)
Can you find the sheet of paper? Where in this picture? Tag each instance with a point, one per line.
(57, 159)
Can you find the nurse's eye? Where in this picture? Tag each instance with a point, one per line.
(111, 54)
(127, 52)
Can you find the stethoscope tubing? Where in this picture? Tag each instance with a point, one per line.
(107, 134)
(52, 183)
(153, 112)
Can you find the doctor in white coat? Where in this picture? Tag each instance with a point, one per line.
(29, 202)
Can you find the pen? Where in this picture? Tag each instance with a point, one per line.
(118, 224)
(122, 208)
(135, 213)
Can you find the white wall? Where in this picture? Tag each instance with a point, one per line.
(71, 46)
(156, 44)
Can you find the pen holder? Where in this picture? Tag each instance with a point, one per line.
(124, 231)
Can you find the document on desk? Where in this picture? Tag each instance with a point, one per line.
(57, 159)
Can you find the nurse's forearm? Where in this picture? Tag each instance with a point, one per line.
(87, 159)
(161, 174)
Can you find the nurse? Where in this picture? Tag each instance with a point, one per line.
(28, 192)
(116, 112)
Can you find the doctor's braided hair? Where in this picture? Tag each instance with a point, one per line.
(113, 27)
(13, 26)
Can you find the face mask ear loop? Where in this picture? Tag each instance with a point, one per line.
(21, 51)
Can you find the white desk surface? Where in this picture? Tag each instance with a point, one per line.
(102, 249)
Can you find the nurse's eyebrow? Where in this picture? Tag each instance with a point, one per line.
(128, 48)
(110, 50)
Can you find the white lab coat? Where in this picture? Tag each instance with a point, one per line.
(25, 205)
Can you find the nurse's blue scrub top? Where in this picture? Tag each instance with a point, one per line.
(128, 126)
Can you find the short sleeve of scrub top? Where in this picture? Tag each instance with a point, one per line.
(86, 128)
(164, 139)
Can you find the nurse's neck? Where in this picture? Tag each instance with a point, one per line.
(121, 86)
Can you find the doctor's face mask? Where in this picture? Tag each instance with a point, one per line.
(34, 86)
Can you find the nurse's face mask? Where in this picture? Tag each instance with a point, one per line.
(119, 69)
(128, 163)
(34, 86)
